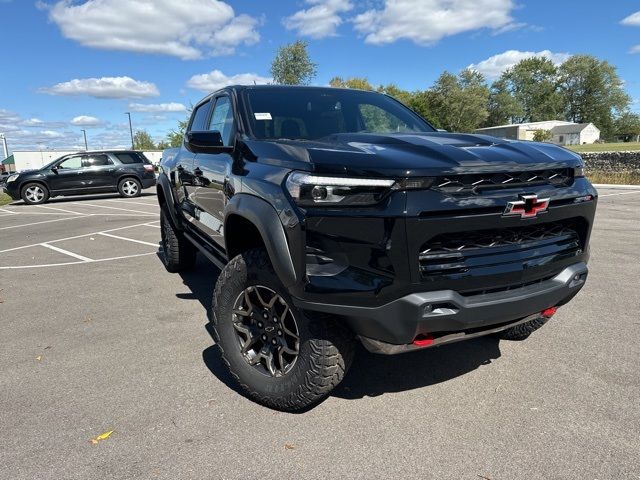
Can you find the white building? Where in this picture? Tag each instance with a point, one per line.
(562, 133)
(33, 159)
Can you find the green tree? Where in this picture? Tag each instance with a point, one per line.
(459, 103)
(592, 92)
(359, 83)
(533, 82)
(143, 141)
(542, 135)
(627, 127)
(292, 65)
(503, 107)
(163, 145)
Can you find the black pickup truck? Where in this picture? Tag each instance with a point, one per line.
(339, 215)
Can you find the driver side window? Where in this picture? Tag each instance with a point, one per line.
(71, 163)
(222, 120)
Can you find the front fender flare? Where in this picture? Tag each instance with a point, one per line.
(163, 183)
(262, 214)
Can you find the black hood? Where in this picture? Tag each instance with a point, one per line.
(423, 154)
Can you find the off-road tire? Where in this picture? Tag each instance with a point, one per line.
(33, 198)
(522, 331)
(129, 187)
(178, 254)
(326, 347)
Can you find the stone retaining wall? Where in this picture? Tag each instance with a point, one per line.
(612, 161)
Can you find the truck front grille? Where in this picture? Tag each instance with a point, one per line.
(476, 183)
(512, 248)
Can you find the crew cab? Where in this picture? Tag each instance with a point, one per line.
(340, 215)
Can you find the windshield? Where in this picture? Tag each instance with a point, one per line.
(312, 113)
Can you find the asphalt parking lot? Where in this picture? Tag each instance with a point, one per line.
(97, 337)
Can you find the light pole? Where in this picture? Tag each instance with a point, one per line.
(84, 132)
(130, 129)
(5, 149)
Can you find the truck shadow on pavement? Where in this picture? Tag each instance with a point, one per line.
(370, 375)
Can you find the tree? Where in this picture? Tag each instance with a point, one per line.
(533, 82)
(359, 83)
(627, 127)
(143, 141)
(592, 92)
(459, 103)
(542, 135)
(163, 145)
(292, 65)
(503, 107)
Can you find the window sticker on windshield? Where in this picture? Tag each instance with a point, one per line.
(263, 116)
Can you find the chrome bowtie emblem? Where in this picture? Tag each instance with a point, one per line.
(529, 206)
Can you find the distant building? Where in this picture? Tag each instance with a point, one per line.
(562, 133)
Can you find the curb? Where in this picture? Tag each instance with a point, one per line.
(614, 186)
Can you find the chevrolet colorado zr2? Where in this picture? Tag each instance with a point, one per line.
(339, 215)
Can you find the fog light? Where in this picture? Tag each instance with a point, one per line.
(319, 193)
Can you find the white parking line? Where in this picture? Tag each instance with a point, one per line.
(76, 236)
(44, 221)
(135, 203)
(79, 262)
(615, 194)
(128, 239)
(123, 209)
(67, 252)
(59, 209)
(7, 211)
(152, 225)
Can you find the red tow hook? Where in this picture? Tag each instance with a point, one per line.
(423, 340)
(549, 312)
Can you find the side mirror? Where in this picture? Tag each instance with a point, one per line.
(208, 141)
(54, 169)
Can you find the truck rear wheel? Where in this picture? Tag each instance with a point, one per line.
(178, 253)
(522, 331)
(279, 356)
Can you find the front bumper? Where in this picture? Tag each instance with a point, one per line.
(445, 312)
(12, 190)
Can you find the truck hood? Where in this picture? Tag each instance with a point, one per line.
(420, 154)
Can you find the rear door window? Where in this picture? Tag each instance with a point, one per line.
(97, 161)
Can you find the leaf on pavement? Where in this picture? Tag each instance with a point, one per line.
(288, 446)
(101, 437)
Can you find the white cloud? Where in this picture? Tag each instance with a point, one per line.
(157, 107)
(32, 122)
(492, 67)
(105, 87)
(209, 82)
(427, 21)
(319, 21)
(632, 20)
(635, 49)
(188, 29)
(86, 121)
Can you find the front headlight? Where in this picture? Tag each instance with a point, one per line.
(578, 171)
(315, 190)
(12, 178)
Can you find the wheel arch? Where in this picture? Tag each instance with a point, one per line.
(38, 181)
(247, 216)
(165, 199)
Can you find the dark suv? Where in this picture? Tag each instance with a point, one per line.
(340, 214)
(126, 172)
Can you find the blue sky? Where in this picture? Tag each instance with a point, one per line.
(73, 64)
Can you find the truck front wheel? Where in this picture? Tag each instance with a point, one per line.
(177, 253)
(279, 356)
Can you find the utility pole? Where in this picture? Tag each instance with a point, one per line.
(130, 130)
(5, 149)
(86, 148)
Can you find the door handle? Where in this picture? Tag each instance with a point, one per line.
(197, 172)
